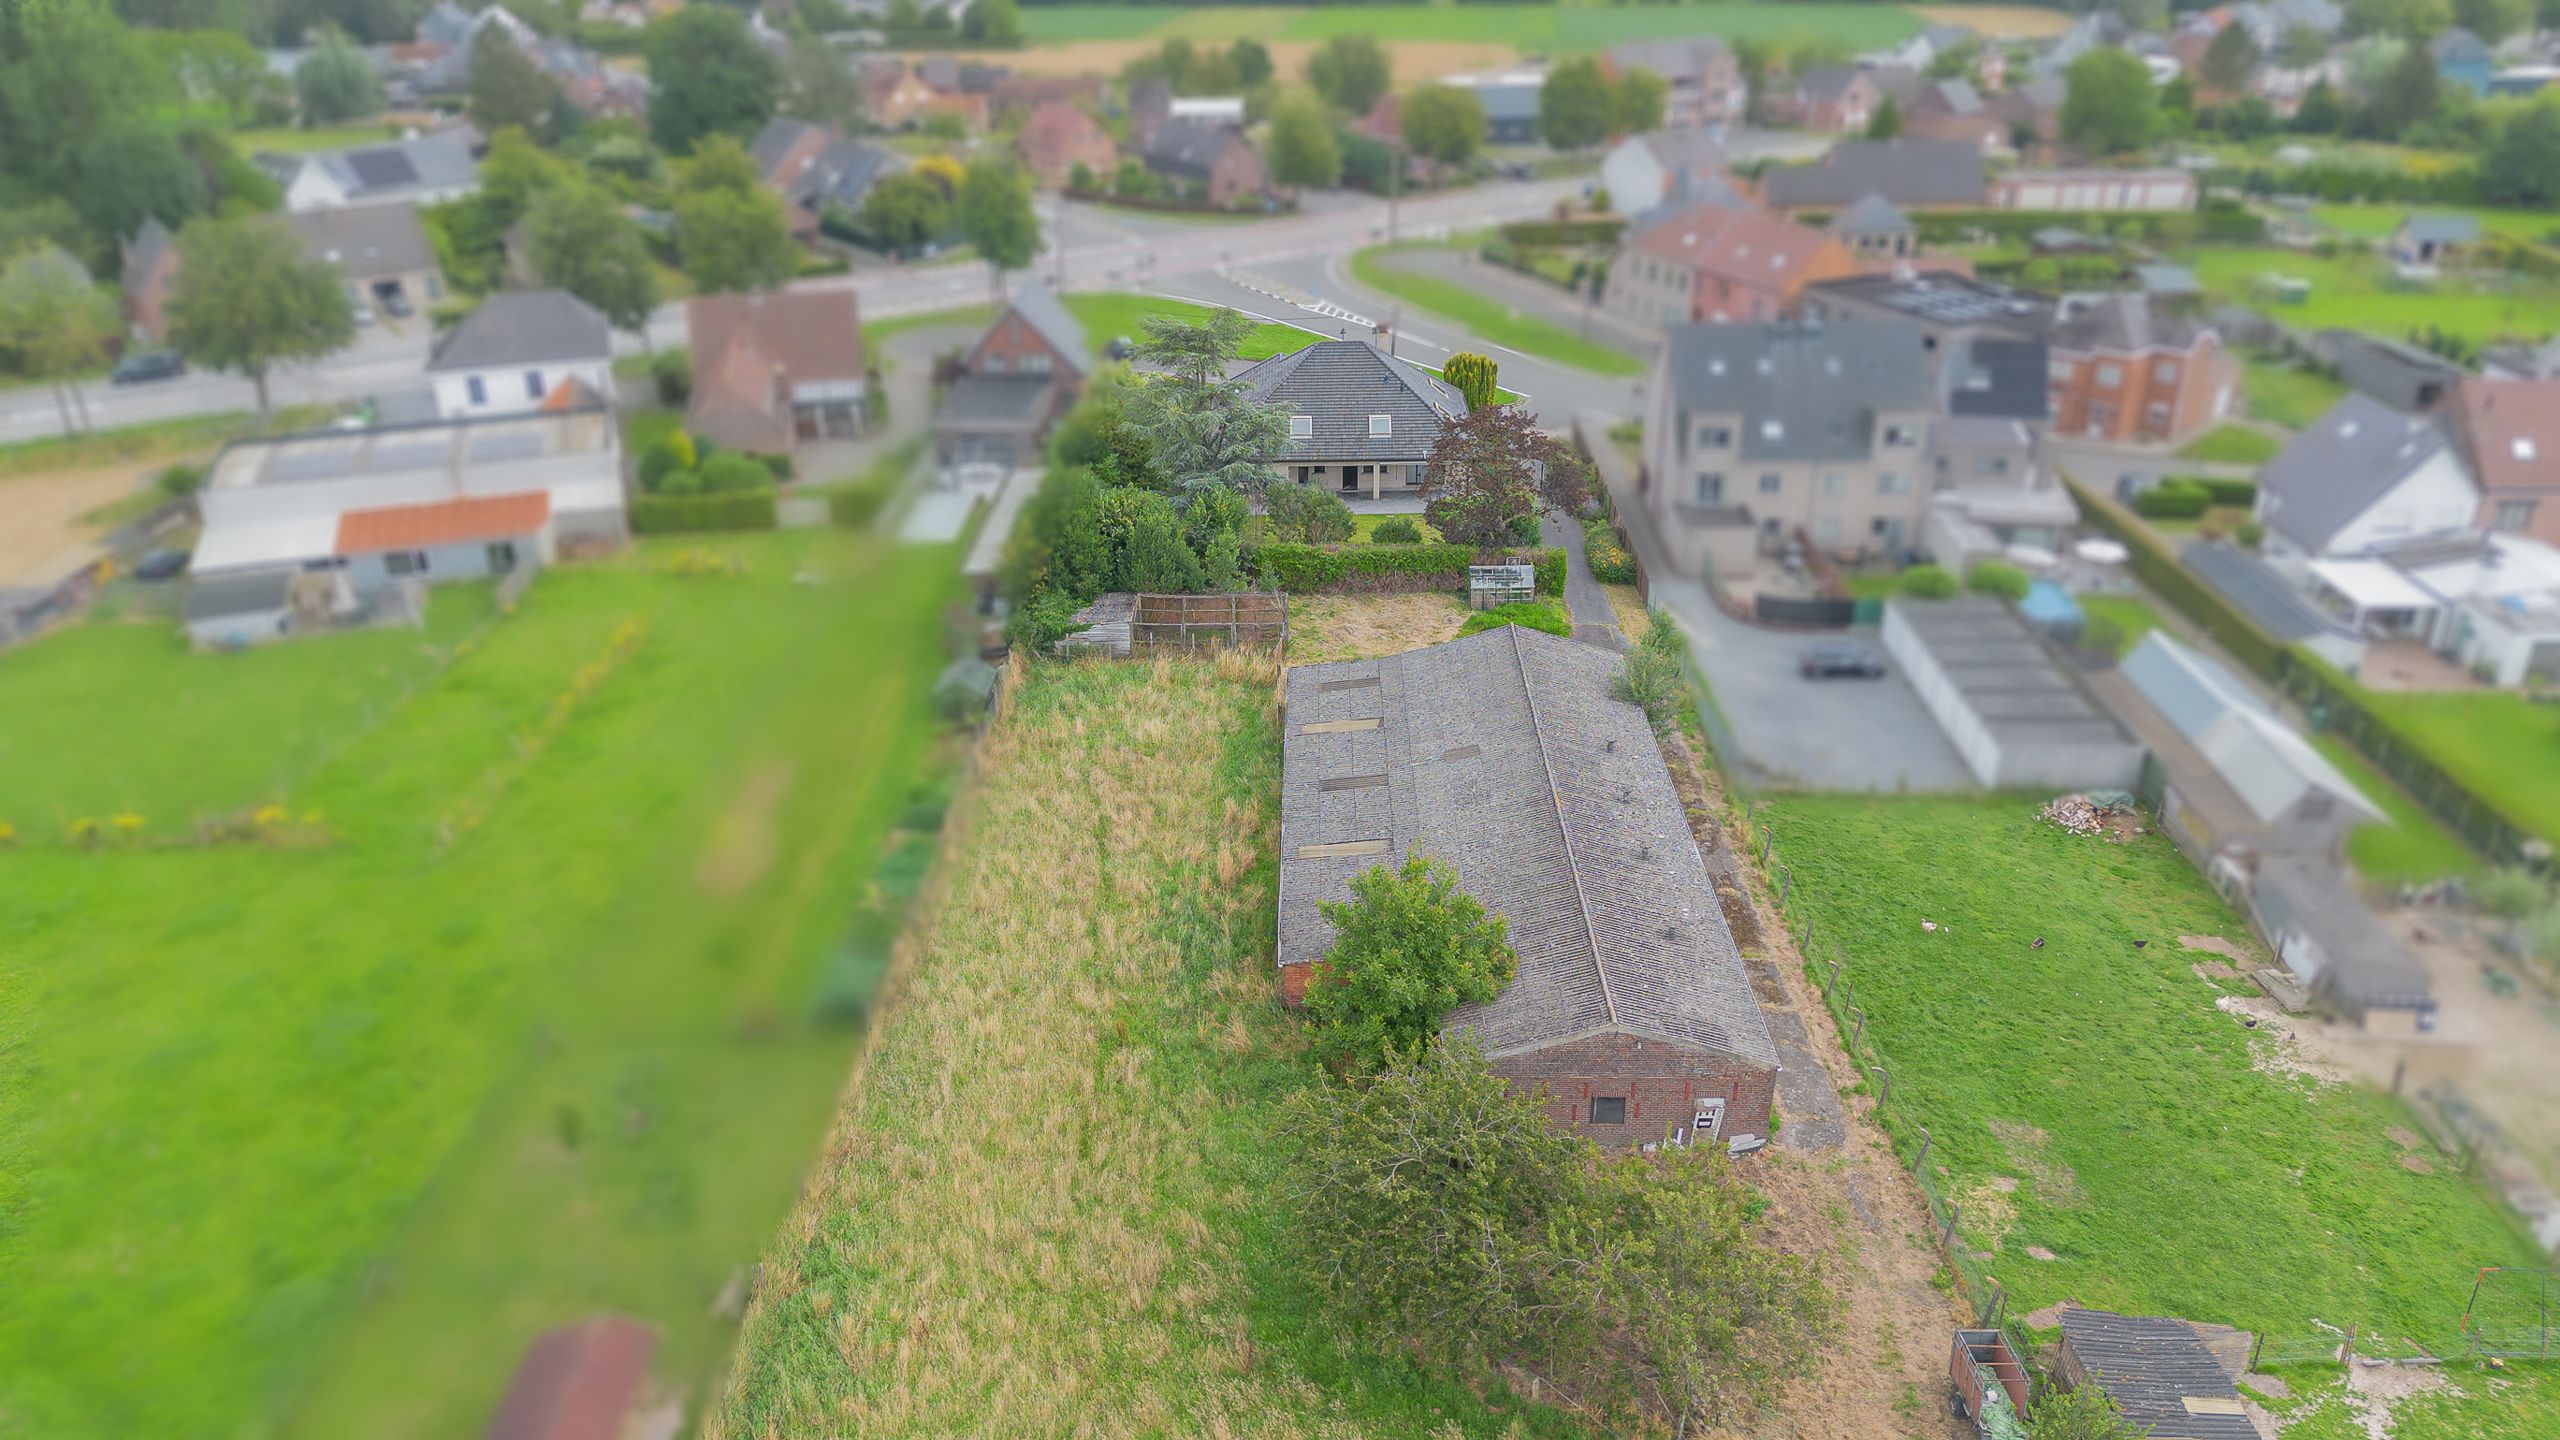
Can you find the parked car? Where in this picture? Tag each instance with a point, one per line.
(1120, 348)
(161, 565)
(143, 366)
(396, 305)
(1824, 659)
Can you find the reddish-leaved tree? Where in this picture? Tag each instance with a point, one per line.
(1492, 466)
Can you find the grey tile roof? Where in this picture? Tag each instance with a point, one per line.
(1039, 307)
(1822, 83)
(1341, 383)
(437, 161)
(367, 241)
(2257, 590)
(2122, 320)
(2337, 467)
(524, 327)
(1687, 150)
(2442, 229)
(1188, 148)
(1910, 173)
(994, 402)
(1959, 97)
(2361, 961)
(1505, 755)
(1999, 377)
(1872, 215)
(2148, 1366)
(775, 141)
(1687, 192)
(843, 174)
(1821, 386)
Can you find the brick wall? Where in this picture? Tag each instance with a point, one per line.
(1659, 1082)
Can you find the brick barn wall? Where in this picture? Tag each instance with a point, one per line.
(1660, 1082)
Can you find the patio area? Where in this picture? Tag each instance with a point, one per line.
(2407, 664)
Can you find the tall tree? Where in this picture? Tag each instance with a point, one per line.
(507, 88)
(1302, 150)
(1574, 109)
(2493, 20)
(1350, 72)
(992, 22)
(1886, 122)
(819, 83)
(1201, 430)
(1474, 375)
(336, 81)
(1443, 123)
(905, 210)
(2320, 113)
(1409, 946)
(994, 211)
(2301, 47)
(1636, 102)
(1192, 353)
(731, 232)
(2230, 60)
(55, 325)
(2523, 165)
(583, 243)
(2406, 95)
(1252, 60)
(711, 78)
(134, 169)
(217, 66)
(246, 300)
(2108, 106)
(1493, 465)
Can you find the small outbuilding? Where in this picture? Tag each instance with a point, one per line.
(2160, 1373)
(2011, 708)
(579, 1382)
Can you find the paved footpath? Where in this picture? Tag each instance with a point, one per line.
(1595, 620)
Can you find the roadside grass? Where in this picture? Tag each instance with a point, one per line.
(1487, 318)
(1051, 1204)
(2414, 846)
(1634, 620)
(2496, 742)
(169, 439)
(293, 139)
(2087, 1096)
(2350, 291)
(874, 332)
(2232, 445)
(1110, 316)
(2131, 615)
(313, 1140)
(2287, 395)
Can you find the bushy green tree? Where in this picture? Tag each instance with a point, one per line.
(710, 78)
(1302, 150)
(819, 85)
(1202, 429)
(2083, 1413)
(1252, 60)
(1350, 72)
(1928, 582)
(2319, 113)
(1443, 123)
(246, 300)
(55, 326)
(1408, 947)
(2523, 164)
(1651, 677)
(994, 211)
(1474, 376)
(1156, 560)
(2493, 20)
(581, 242)
(336, 81)
(731, 232)
(1997, 578)
(992, 22)
(1636, 102)
(1306, 514)
(1493, 466)
(905, 210)
(507, 88)
(132, 170)
(1575, 109)
(1885, 121)
(2108, 105)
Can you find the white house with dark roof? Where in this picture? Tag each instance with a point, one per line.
(2361, 476)
(1643, 171)
(516, 353)
(1507, 756)
(1362, 422)
(424, 169)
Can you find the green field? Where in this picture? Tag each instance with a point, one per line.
(2087, 1097)
(509, 1024)
(2232, 445)
(1487, 319)
(2288, 396)
(2378, 221)
(292, 139)
(1051, 1204)
(2131, 615)
(2349, 291)
(2495, 742)
(1539, 28)
(2414, 846)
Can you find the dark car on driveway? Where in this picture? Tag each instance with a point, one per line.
(144, 366)
(161, 565)
(1824, 659)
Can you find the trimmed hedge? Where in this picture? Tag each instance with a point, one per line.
(1597, 231)
(2227, 492)
(2174, 498)
(1390, 569)
(690, 514)
(2155, 566)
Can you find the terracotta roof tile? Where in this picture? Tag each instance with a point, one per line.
(444, 522)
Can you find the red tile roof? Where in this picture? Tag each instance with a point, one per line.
(1744, 246)
(444, 522)
(2512, 430)
(576, 1383)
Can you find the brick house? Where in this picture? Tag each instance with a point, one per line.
(1713, 263)
(2509, 430)
(1910, 174)
(1954, 110)
(1057, 138)
(772, 370)
(1214, 160)
(2127, 370)
(1028, 369)
(1361, 421)
(1837, 99)
(1702, 79)
(1506, 755)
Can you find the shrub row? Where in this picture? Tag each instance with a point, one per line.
(1390, 569)
(1610, 562)
(688, 514)
(2184, 497)
(2155, 566)
(1602, 230)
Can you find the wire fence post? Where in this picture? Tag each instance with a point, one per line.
(1887, 1077)
(1787, 887)
(1859, 1032)
(1768, 840)
(1919, 1163)
(1947, 1237)
(1834, 980)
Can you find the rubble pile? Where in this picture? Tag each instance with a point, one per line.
(2074, 813)
(2111, 813)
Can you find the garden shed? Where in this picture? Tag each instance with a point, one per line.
(2017, 715)
(1505, 755)
(2159, 1372)
(2297, 800)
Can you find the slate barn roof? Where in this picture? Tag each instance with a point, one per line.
(1506, 755)
(1340, 384)
(2159, 1373)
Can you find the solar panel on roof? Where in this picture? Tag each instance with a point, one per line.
(379, 168)
(412, 456)
(519, 445)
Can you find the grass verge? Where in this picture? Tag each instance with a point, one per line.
(2232, 445)
(161, 439)
(1487, 319)
(2413, 846)
(1050, 1205)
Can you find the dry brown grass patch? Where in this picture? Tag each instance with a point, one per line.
(1364, 627)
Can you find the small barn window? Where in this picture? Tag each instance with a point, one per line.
(1381, 425)
(1302, 427)
(1608, 1109)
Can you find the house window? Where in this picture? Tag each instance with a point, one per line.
(2514, 515)
(2165, 373)
(477, 390)
(1715, 437)
(1902, 434)
(1772, 482)
(998, 362)
(2157, 412)
(1381, 425)
(502, 556)
(1303, 472)
(1608, 1109)
(2059, 372)
(1302, 427)
(2110, 376)
(1711, 489)
(533, 384)
(1835, 485)
(1890, 484)
(404, 562)
(1036, 363)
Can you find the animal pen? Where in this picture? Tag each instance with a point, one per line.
(1126, 624)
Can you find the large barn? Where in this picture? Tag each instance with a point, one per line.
(1505, 755)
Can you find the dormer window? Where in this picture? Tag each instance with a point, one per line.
(1381, 426)
(1773, 429)
(2521, 447)
(1302, 427)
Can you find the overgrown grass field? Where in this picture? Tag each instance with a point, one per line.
(313, 1139)
(2087, 1097)
(1050, 1205)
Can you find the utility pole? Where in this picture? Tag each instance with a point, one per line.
(1395, 183)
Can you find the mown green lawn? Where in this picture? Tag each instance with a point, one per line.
(2288, 396)
(1487, 318)
(2086, 1096)
(2496, 742)
(2413, 846)
(2232, 445)
(2349, 291)
(293, 139)
(313, 1140)
(2378, 221)
(2131, 616)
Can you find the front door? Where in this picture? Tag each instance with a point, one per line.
(1709, 1124)
(1350, 479)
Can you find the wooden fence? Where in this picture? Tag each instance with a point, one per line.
(1187, 622)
